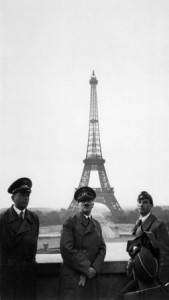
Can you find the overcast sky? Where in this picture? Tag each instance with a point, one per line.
(50, 49)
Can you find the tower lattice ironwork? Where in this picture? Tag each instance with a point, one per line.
(95, 162)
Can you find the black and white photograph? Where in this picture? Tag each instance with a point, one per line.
(84, 133)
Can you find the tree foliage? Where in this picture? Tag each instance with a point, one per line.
(53, 217)
(158, 211)
(56, 217)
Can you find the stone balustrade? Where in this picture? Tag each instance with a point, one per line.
(111, 279)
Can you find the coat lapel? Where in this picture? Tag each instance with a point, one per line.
(90, 227)
(84, 220)
(84, 227)
(15, 223)
(25, 225)
(147, 223)
(13, 220)
(12, 215)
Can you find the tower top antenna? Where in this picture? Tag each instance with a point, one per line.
(93, 80)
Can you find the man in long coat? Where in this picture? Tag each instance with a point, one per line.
(19, 230)
(149, 222)
(83, 250)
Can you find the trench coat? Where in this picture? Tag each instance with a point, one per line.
(82, 246)
(18, 246)
(159, 229)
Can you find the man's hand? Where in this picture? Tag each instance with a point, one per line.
(82, 280)
(91, 273)
(129, 268)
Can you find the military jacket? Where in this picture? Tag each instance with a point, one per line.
(159, 229)
(18, 246)
(82, 246)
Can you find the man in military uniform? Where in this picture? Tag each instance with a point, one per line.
(149, 222)
(83, 250)
(19, 230)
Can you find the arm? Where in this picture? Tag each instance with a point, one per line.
(162, 237)
(75, 258)
(37, 223)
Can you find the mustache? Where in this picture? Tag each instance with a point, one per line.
(86, 204)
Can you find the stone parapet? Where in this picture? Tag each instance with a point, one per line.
(111, 279)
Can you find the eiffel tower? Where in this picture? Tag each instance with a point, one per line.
(95, 162)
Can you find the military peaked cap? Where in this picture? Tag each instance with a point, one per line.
(84, 193)
(145, 195)
(20, 184)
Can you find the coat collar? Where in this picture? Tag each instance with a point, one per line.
(84, 222)
(13, 216)
(148, 222)
(18, 227)
(82, 219)
(145, 217)
(145, 226)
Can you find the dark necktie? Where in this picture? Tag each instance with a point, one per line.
(88, 221)
(138, 224)
(21, 215)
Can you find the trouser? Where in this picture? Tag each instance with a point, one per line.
(18, 280)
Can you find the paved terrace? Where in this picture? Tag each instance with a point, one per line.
(110, 281)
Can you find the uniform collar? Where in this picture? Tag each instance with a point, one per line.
(83, 219)
(18, 210)
(87, 216)
(13, 215)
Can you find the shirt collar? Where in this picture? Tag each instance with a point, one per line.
(144, 218)
(87, 216)
(18, 210)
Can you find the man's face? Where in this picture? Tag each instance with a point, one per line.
(21, 199)
(86, 206)
(144, 207)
